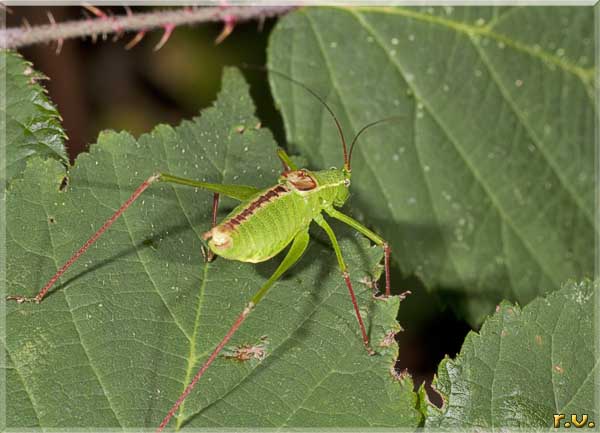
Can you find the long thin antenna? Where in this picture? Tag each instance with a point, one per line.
(316, 95)
(364, 128)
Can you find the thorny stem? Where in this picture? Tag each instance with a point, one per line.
(16, 37)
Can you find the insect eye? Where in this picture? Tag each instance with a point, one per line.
(347, 182)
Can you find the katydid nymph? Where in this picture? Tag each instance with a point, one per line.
(265, 222)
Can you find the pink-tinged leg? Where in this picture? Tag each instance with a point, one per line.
(205, 366)
(109, 222)
(363, 331)
(210, 256)
(387, 252)
(298, 247)
(371, 235)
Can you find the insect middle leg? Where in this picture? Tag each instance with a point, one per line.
(338, 253)
(371, 235)
(207, 253)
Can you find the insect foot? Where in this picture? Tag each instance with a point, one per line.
(207, 255)
(23, 299)
(404, 295)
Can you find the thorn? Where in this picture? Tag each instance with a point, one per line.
(6, 8)
(136, 39)
(59, 44)
(26, 24)
(59, 41)
(165, 37)
(51, 18)
(96, 11)
(227, 29)
(119, 30)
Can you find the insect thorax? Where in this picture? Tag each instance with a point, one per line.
(263, 225)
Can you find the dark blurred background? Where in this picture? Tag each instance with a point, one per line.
(101, 85)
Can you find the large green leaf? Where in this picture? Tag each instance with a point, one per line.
(116, 343)
(485, 187)
(29, 123)
(524, 366)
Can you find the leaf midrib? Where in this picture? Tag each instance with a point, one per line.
(468, 164)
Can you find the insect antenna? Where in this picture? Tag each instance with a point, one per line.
(363, 129)
(316, 95)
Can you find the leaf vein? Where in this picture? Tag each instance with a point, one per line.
(475, 173)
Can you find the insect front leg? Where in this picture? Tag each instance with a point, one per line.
(298, 247)
(338, 253)
(371, 235)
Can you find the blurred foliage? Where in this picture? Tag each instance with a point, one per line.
(100, 85)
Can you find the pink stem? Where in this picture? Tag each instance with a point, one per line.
(16, 37)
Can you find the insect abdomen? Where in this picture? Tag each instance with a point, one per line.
(259, 229)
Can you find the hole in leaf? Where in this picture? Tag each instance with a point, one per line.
(63, 183)
(431, 331)
(150, 243)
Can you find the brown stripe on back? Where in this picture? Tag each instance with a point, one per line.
(253, 206)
